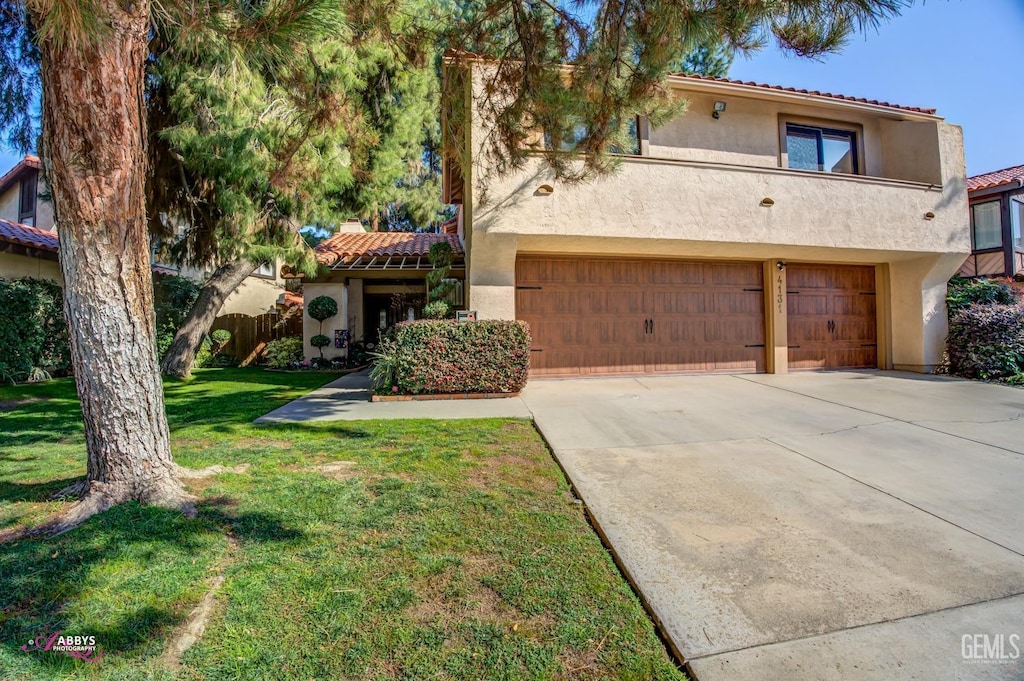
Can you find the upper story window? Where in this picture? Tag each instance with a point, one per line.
(1017, 222)
(986, 226)
(27, 199)
(826, 150)
(265, 270)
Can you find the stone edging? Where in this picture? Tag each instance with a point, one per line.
(441, 396)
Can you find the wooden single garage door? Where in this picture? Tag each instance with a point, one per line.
(591, 316)
(831, 318)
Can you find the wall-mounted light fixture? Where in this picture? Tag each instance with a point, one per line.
(767, 202)
(717, 111)
(545, 190)
(780, 265)
(929, 215)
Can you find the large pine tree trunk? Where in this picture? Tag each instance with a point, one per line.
(93, 143)
(181, 354)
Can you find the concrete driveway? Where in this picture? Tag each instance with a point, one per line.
(809, 526)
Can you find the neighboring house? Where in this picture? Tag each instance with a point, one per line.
(22, 195)
(23, 202)
(30, 252)
(766, 230)
(377, 279)
(997, 220)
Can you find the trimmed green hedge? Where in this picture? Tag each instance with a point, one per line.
(33, 333)
(987, 341)
(444, 356)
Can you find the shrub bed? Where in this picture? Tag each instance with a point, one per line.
(987, 341)
(962, 293)
(444, 356)
(33, 333)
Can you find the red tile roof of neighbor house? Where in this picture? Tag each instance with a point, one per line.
(291, 299)
(996, 178)
(23, 235)
(812, 93)
(11, 175)
(349, 245)
(42, 240)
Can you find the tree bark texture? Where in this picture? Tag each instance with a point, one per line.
(177, 362)
(94, 150)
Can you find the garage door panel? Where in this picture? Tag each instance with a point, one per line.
(682, 359)
(853, 278)
(736, 302)
(677, 302)
(612, 272)
(807, 304)
(738, 332)
(612, 361)
(807, 356)
(608, 301)
(747, 360)
(676, 273)
(857, 305)
(854, 358)
(675, 330)
(736, 274)
(555, 362)
(547, 271)
(860, 331)
(808, 277)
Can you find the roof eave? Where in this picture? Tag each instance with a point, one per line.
(773, 94)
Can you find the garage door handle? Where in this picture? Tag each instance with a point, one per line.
(652, 326)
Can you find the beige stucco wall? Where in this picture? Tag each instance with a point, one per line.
(311, 327)
(255, 296)
(699, 195)
(9, 201)
(13, 266)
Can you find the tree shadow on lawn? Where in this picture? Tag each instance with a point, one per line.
(127, 577)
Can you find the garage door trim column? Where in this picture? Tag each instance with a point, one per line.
(776, 305)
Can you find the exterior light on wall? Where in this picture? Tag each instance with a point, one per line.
(545, 190)
(767, 202)
(929, 215)
(719, 108)
(780, 265)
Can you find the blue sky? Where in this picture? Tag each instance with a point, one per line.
(960, 56)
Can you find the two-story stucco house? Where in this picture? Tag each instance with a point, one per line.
(791, 230)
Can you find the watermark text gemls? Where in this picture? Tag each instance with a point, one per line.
(990, 648)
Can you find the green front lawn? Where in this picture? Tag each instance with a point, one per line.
(362, 550)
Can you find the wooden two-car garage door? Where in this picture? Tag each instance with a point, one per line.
(591, 316)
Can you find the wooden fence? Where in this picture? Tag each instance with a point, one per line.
(250, 335)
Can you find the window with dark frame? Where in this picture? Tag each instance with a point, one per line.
(986, 226)
(1017, 223)
(27, 200)
(826, 150)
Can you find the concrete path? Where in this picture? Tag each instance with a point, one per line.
(348, 399)
(809, 526)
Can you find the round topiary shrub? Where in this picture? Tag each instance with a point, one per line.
(320, 341)
(987, 341)
(438, 309)
(321, 308)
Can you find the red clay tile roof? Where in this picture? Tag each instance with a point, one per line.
(813, 93)
(996, 178)
(350, 245)
(291, 299)
(11, 175)
(23, 235)
(42, 240)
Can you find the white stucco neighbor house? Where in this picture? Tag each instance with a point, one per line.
(769, 229)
